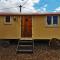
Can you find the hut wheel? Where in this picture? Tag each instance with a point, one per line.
(54, 43)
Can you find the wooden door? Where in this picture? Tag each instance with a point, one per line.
(26, 26)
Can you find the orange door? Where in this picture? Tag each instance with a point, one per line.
(26, 26)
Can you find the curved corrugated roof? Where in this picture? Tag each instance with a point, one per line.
(17, 14)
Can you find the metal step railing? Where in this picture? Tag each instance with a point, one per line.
(25, 46)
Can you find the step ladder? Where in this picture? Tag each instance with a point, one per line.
(25, 46)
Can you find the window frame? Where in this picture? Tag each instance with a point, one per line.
(7, 22)
(53, 25)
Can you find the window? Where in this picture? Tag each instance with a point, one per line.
(7, 20)
(52, 20)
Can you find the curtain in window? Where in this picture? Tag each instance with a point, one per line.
(55, 19)
(49, 20)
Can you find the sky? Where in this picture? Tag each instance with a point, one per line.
(30, 6)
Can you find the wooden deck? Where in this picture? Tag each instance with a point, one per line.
(41, 52)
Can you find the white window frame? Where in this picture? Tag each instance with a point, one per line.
(52, 25)
(7, 22)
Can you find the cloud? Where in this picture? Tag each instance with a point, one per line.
(12, 6)
(35, 1)
(57, 9)
(43, 9)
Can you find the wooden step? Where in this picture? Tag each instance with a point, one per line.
(26, 45)
(20, 51)
(25, 38)
(25, 42)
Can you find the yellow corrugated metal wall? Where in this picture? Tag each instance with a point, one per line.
(39, 28)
